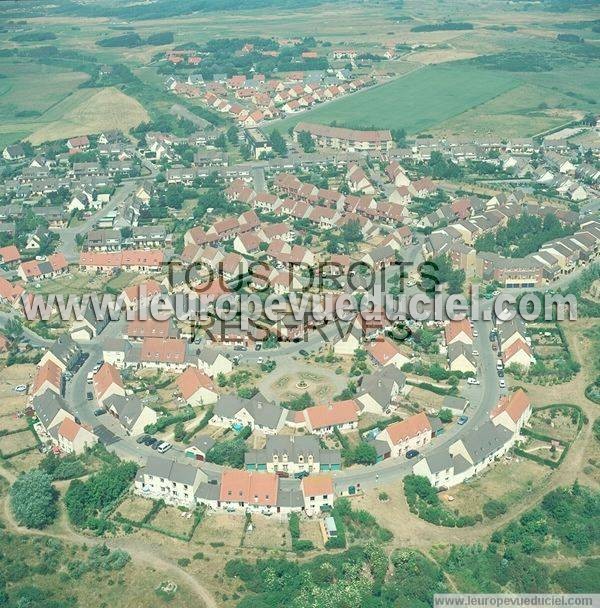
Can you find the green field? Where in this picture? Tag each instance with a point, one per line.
(32, 88)
(418, 101)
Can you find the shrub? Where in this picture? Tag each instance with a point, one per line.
(494, 508)
(33, 499)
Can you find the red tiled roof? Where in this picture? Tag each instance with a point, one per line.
(454, 328)
(49, 372)
(317, 485)
(406, 429)
(107, 376)
(9, 254)
(69, 429)
(249, 487)
(336, 413)
(193, 379)
(163, 351)
(514, 405)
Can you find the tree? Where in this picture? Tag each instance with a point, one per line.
(179, 431)
(306, 141)
(278, 143)
(232, 134)
(221, 142)
(13, 329)
(33, 499)
(365, 453)
(445, 415)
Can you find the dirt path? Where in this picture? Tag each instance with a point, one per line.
(140, 552)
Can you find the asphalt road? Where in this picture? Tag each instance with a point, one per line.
(482, 398)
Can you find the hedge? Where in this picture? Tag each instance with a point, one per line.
(198, 516)
(162, 423)
(202, 424)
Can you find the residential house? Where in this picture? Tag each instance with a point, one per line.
(196, 388)
(410, 434)
(324, 419)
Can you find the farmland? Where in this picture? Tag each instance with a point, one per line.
(103, 109)
(415, 102)
(58, 109)
(24, 104)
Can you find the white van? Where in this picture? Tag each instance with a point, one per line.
(90, 377)
(165, 446)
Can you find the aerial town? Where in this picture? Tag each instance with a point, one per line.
(160, 444)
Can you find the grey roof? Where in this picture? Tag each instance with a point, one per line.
(485, 440)
(461, 464)
(454, 403)
(379, 385)
(381, 447)
(98, 324)
(289, 493)
(208, 356)
(435, 423)
(65, 350)
(439, 460)
(128, 408)
(294, 447)
(456, 349)
(47, 405)
(264, 412)
(203, 443)
(171, 470)
(208, 491)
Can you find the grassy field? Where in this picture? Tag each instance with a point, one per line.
(104, 109)
(24, 103)
(415, 102)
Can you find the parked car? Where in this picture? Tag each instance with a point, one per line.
(142, 439)
(165, 446)
(502, 383)
(155, 443)
(301, 474)
(304, 353)
(259, 360)
(494, 346)
(89, 396)
(412, 453)
(150, 440)
(21, 388)
(282, 474)
(475, 333)
(500, 373)
(471, 380)
(492, 335)
(462, 420)
(475, 353)
(99, 412)
(258, 347)
(499, 364)
(240, 347)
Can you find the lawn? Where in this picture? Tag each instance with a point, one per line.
(135, 507)
(9, 444)
(267, 533)
(509, 482)
(415, 102)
